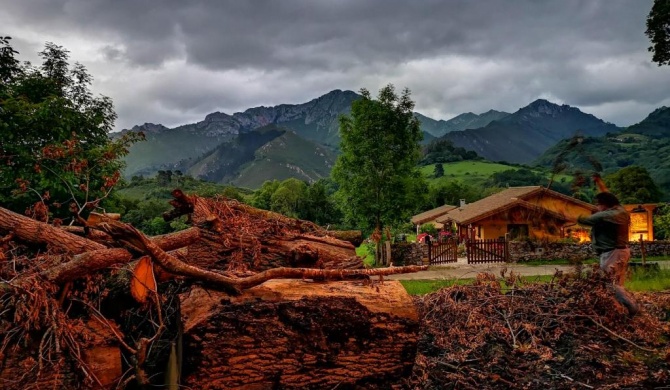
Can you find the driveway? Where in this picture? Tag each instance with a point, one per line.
(462, 270)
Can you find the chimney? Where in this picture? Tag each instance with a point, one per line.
(462, 203)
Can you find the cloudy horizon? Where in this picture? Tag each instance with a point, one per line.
(174, 62)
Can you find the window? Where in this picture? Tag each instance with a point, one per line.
(517, 230)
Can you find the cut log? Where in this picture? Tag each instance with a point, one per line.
(237, 235)
(294, 334)
(37, 232)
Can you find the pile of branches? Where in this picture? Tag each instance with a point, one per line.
(97, 306)
(567, 334)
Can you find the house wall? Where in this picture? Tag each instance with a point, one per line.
(559, 205)
(538, 228)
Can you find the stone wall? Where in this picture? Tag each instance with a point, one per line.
(408, 253)
(412, 253)
(521, 251)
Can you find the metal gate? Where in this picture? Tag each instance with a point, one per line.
(487, 251)
(443, 252)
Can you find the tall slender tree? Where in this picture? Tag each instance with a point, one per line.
(379, 181)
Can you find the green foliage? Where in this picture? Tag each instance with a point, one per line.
(633, 185)
(288, 197)
(517, 178)
(428, 228)
(377, 170)
(320, 207)
(262, 198)
(297, 199)
(367, 252)
(658, 31)
(662, 222)
(55, 148)
(439, 170)
(451, 193)
(444, 151)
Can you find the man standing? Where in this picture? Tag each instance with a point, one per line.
(609, 238)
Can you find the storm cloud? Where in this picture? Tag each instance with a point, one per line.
(173, 62)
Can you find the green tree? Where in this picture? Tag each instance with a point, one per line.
(289, 197)
(377, 172)
(55, 147)
(451, 193)
(439, 170)
(263, 196)
(633, 185)
(658, 31)
(320, 206)
(516, 178)
(662, 222)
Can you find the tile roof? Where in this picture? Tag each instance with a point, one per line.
(430, 215)
(497, 202)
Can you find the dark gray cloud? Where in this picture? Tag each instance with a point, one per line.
(175, 61)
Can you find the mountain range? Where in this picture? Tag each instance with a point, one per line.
(645, 144)
(301, 140)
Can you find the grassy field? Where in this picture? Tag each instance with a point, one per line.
(474, 172)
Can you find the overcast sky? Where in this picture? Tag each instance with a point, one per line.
(175, 61)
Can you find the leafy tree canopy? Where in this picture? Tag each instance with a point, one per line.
(658, 31)
(377, 172)
(517, 178)
(633, 185)
(55, 147)
(444, 151)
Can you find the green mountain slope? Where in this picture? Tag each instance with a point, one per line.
(286, 156)
(645, 144)
(464, 121)
(164, 148)
(224, 162)
(524, 135)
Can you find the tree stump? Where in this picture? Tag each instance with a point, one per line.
(299, 334)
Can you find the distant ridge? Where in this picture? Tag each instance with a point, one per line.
(464, 121)
(524, 135)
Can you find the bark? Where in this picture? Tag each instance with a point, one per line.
(236, 235)
(294, 334)
(36, 232)
(355, 237)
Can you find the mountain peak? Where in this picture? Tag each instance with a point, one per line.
(542, 107)
(149, 128)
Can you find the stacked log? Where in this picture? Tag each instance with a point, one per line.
(295, 334)
(238, 322)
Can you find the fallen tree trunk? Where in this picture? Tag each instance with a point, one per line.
(37, 232)
(236, 235)
(296, 334)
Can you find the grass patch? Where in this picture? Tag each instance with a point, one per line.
(367, 255)
(476, 172)
(640, 280)
(422, 287)
(649, 280)
(587, 261)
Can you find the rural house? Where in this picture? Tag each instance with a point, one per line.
(430, 216)
(533, 211)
